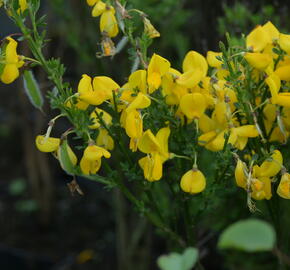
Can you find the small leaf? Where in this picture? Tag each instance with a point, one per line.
(64, 158)
(175, 261)
(189, 258)
(17, 187)
(32, 89)
(249, 235)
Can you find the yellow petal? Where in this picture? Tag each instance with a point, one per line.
(212, 60)
(85, 84)
(265, 193)
(157, 67)
(195, 61)
(283, 73)
(107, 118)
(272, 167)
(271, 30)
(10, 73)
(92, 2)
(152, 167)
(148, 143)
(49, 144)
(284, 42)
(98, 9)
(162, 138)
(240, 176)
(90, 167)
(258, 39)
(274, 83)
(193, 105)
(193, 182)
(190, 78)
(282, 99)
(138, 80)
(206, 124)
(284, 186)
(94, 152)
(105, 140)
(249, 131)
(134, 124)
(259, 61)
(108, 23)
(206, 137)
(140, 102)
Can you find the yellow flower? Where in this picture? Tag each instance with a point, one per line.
(148, 143)
(270, 168)
(102, 90)
(157, 67)
(240, 176)
(91, 159)
(134, 124)
(108, 22)
(107, 118)
(84, 87)
(12, 62)
(94, 152)
(104, 139)
(193, 181)
(49, 144)
(156, 149)
(284, 186)
(193, 105)
(261, 188)
(258, 39)
(151, 166)
(195, 61)
(90, 167)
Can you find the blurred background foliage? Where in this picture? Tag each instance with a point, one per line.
(42, 225)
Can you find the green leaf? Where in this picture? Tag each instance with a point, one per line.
(189, 258)
(64, 159)
(249, 235)
(32, 89)
(176, 261)
(17, 187)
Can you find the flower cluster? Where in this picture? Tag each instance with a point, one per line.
(204, 95)
(236, 100)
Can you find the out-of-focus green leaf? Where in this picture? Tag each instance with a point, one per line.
(32, 89)
(176, 261)
(249, 235)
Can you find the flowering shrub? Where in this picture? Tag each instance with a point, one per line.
(229, 109)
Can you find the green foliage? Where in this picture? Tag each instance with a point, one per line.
(32, 90)
(17, 186)
(250, 235)
(176, 261)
